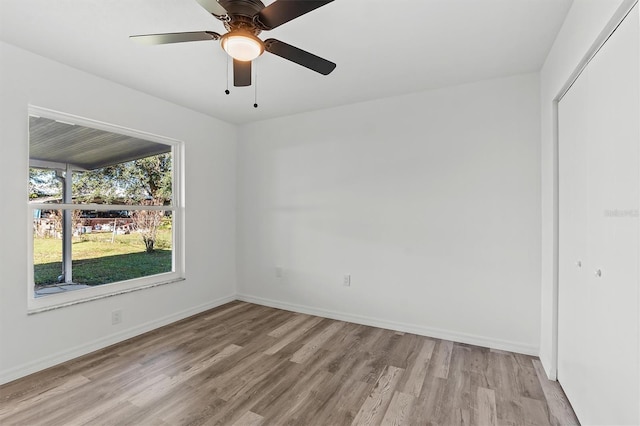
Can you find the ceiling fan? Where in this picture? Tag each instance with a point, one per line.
(244, 21)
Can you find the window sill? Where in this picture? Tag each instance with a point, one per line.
(51, 307)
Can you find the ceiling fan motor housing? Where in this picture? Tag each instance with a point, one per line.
(241, 14)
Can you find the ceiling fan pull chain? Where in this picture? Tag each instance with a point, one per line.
(255, 79)
(227, 90)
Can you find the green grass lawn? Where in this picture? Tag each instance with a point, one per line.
(97, 260)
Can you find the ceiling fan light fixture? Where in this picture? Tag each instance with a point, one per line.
(242, 45)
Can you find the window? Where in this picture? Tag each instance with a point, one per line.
(104, 208)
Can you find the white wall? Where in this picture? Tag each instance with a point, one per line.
(430, 201)
(32, 342)
(584, 23)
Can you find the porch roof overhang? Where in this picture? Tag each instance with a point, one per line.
(54, 144)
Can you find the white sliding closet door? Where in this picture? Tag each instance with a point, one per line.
(599, 184)
(574, 314)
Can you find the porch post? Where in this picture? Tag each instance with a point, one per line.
(67, 230)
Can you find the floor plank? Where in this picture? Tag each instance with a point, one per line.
(442, 358)
(486, 407)
(560, 410)
(293, 335)
(375, 406)
(418, 370)
(398, 411)
(309, 348)
(249, 419)
(288, 326)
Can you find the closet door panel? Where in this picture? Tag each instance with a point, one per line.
(573, 310)
(613, 180)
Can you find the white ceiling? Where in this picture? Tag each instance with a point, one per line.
(382, 48)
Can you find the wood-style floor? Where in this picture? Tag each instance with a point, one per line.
(245, 364)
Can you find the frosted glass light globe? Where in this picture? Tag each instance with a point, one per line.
(242, 46)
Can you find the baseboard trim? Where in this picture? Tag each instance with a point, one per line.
(470, 339)
(63, 356)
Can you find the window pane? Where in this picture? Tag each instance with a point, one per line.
(47, 248)
(132, 182)
(44, 186)
(104, 250)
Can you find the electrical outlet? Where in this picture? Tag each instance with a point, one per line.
(346, 281)
(116, 317)
(278, 272)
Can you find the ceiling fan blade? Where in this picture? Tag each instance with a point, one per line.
(241, 73)
(283, 11)
(174, 37)
(213, 7)
(299, 56)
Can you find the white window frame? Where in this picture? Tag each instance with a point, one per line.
(54, 301)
